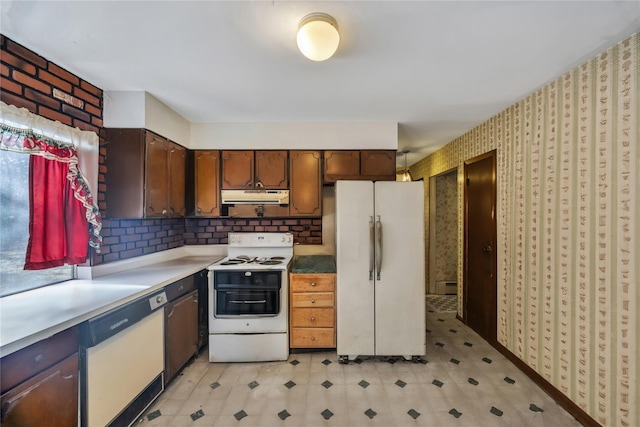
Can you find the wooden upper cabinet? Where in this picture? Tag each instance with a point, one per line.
(343, 164)
(177, 179)
(271, 169)
(207, 182)
(260, 169)
(237, 170)
(156, 187)
(145, 176)
(378, 165)
(305, 196)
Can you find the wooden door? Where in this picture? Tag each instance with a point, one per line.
(177, 179)
(156, 185)
(48, 399)
(342, 164)
(271, 169)
(237, 170)
(480, 285)
(207, 182)
(181, 335)
(378, 165)
(305, 196)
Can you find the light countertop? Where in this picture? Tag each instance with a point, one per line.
(31, 316)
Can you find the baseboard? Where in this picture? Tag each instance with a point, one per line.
(562, 400)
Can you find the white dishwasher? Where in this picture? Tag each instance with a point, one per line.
(122, 364)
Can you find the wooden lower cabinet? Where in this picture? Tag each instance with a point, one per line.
(39, 384)
(312, 314)
(181, 333)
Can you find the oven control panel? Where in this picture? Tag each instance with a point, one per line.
(254, 240)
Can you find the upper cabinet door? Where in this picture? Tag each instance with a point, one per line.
(156, 186)
(305, 196)
(237, 170)
(342, 164)
(177, 179)
(207, 182)
(378, 165)
(271, 169)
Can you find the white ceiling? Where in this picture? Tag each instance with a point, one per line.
(438, 68)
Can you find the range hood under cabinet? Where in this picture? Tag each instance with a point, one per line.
(255, 197)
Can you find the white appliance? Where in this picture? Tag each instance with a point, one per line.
(248, 299)
(123, 362)
(380, 269)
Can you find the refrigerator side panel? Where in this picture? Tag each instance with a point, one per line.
(400, 291)
(354, 290)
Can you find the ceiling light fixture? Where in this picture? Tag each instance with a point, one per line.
(318, 36)
(406, 174)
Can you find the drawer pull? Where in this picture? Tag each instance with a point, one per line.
(313, 283)
(313, 319)
(313, 301)
(313, 338)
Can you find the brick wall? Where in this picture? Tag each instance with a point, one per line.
(128, 238)
(213, 231)
(28, 80)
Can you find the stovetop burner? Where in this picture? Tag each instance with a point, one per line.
(244, 259)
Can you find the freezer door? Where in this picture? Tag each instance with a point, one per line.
(354, 288)
(400, 315)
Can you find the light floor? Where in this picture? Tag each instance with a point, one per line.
(462, 381)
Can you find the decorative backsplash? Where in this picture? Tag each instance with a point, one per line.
(568, 172)
(128, 238)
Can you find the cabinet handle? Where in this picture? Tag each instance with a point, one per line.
(313, 283)
(313, 338)
(259, 184)
(313, 319)
(164, 211)
(313, 301)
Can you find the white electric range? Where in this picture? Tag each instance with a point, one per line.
(248, 299)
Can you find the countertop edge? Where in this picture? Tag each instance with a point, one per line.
(77, 318)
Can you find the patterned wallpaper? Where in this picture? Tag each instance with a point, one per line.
(446, 255)
(568, 172)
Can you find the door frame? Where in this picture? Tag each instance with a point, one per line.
(465, 274)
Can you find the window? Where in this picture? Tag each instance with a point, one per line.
(14, 229)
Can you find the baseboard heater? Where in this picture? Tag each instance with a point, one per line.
(446, 288)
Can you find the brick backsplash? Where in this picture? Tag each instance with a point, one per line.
(128, 238)
(213, 231)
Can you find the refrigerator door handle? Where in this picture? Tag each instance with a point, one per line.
(378, 247)
(371, 251)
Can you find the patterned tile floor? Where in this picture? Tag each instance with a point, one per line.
(462, 381)
(442, 303)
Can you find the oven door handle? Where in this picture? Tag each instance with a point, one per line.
(248, 302)
(230, 287)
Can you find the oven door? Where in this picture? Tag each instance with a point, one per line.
(248, 301)
(232, 300)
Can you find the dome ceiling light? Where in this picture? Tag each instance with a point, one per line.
(318, 36)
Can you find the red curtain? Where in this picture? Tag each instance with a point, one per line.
(57, 222)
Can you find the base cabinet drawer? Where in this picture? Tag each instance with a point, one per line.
(313, 318)
(313, 337)
(312, 282)
(315, 299)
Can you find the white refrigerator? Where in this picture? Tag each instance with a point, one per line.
(380, 290)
